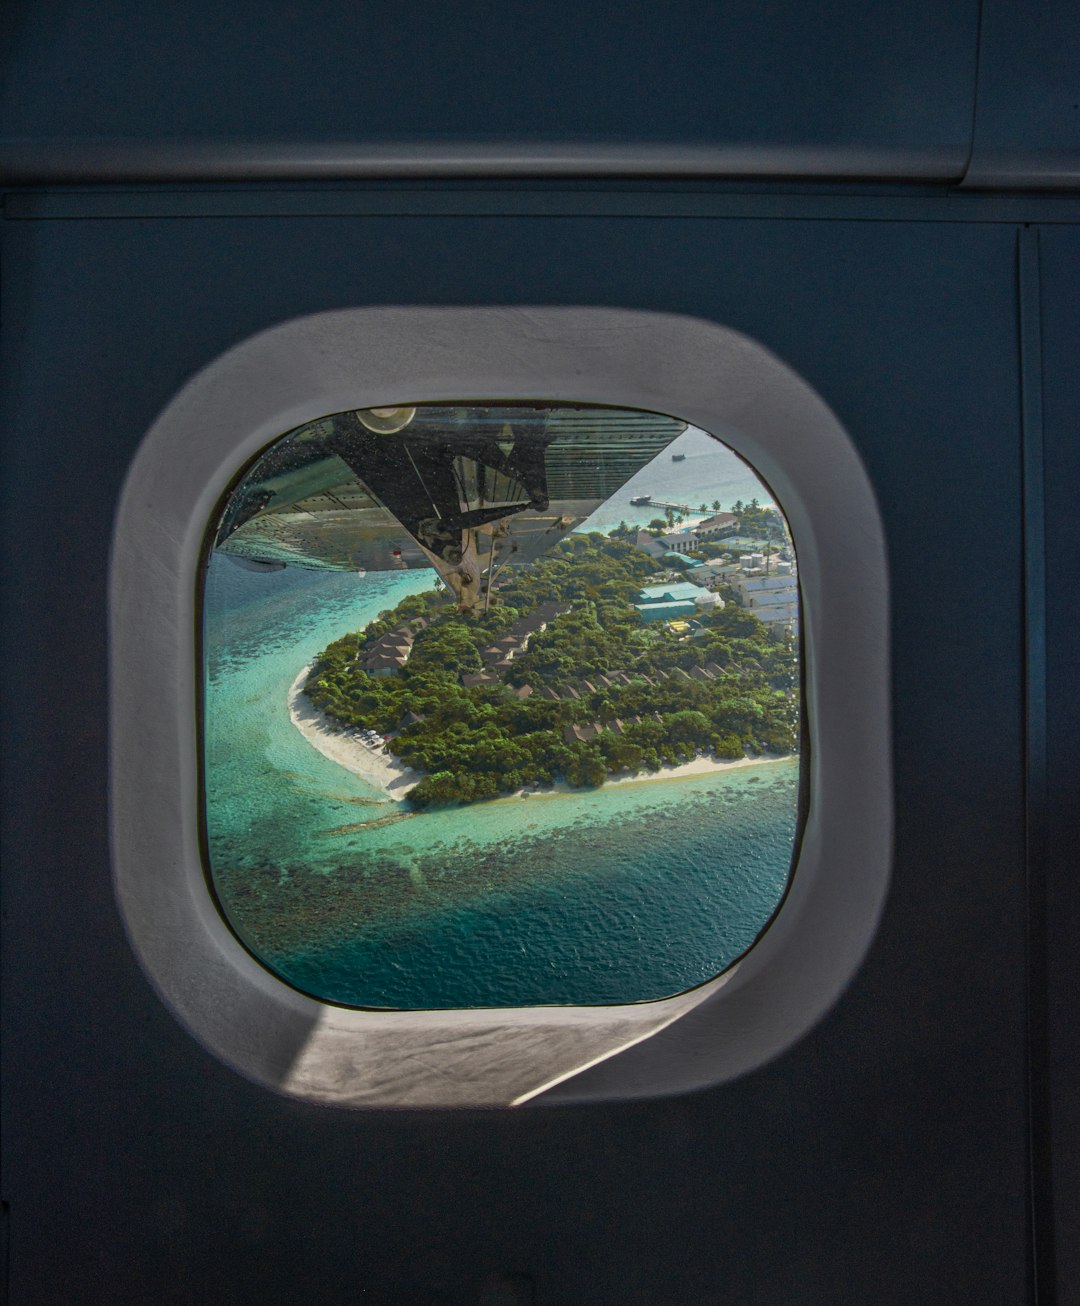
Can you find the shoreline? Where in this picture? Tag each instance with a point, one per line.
(700, 765)
(395, 781)
(697, 766)
(375, 767)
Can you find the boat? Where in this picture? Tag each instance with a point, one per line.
(678, 457)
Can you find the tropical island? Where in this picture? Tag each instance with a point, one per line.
(563, 678)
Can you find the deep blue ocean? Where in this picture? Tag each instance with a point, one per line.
(619, 894)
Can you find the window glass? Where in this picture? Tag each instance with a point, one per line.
(500, 706)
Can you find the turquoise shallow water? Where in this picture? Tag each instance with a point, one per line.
(604, 897)
(624, 893)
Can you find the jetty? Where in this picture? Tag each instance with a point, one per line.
(647, 501)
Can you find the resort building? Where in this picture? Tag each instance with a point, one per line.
(666, 611)
(718, 526)
(384, 658)
(581, 734)
(673, 600)
(479, 678)
(649, 544)
(772, 599)
(390, 652)
(714, 572)
(525, 627)
(680, 542)
(384, 664)
(674, 591)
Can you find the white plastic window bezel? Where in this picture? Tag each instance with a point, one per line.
(704, 373)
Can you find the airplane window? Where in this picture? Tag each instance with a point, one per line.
(500, 706)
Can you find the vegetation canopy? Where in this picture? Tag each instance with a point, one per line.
(562, 679)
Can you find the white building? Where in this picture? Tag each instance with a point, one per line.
(712, 574)
(717, 526)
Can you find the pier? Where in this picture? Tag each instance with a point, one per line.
(647, 501)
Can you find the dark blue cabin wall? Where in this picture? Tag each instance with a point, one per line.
(882, 1159)
(1060, 265)
(1027, 118)
(982, 92)
(863, 91)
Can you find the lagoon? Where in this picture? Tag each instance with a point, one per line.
(622, 893)
(627, 892)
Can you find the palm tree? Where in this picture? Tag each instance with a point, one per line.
(716, 505)
(703, 507)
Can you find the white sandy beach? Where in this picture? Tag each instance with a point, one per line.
(382, 771)
(696, 766)
(374, 766)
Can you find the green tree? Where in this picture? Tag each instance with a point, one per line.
(473, 743)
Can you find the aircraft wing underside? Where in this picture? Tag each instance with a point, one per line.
(466, 489)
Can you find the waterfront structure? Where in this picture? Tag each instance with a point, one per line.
(718, 526)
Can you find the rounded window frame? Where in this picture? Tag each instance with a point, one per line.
(704, 373)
